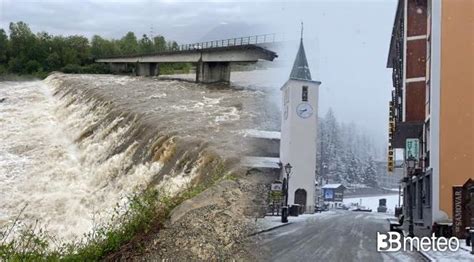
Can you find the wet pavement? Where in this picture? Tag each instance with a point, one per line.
(334, 236)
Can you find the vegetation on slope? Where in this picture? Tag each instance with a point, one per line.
(145, 215)
(23, 52)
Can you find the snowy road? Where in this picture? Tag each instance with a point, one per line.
(335, 236)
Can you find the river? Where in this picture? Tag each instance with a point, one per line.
(74, 146)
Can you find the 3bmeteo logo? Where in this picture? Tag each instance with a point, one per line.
(393, 242)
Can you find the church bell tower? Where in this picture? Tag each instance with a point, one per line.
(299, 131)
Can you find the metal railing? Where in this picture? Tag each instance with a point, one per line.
(238, 41)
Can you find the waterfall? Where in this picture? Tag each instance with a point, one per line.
(75, 146)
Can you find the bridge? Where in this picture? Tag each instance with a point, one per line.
(212, 58)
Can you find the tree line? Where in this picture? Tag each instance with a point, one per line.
(345, 154)
(23, 52)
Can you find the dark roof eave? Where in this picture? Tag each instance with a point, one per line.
(397, 20)
(305, 80)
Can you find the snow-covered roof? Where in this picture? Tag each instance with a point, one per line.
(332, 186)
(261, 162)
(262, 134)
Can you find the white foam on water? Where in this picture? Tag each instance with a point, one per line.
(157, 96)
(70, 178)
(68, 187)
(227, 114)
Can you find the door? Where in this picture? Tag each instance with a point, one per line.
(300, 198)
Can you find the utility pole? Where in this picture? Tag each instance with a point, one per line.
(284, 210)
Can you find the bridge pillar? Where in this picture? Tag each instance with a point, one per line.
(147, 69)
(118, 67)
(143, 69)
(211, 72)
(154, 69)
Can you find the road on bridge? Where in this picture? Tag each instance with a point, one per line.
(331, 236)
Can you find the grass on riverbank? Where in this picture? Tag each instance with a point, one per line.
(145, 215)
(165, 69)
(32, 244)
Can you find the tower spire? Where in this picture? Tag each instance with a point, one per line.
(300, 69)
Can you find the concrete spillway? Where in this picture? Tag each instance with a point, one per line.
(73, 146)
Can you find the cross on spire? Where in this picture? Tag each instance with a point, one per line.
(301, 30)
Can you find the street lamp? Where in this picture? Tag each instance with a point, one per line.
(288, 168)
(411, 164)
(284, 211)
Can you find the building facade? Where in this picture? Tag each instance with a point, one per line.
(299, 131)
(432, 58)
(385, 179)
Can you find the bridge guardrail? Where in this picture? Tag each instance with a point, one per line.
(237, 41)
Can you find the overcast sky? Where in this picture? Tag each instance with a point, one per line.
(346, 41)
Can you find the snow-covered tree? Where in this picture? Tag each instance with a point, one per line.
(331, 148)
(352, 169)
(370, 174)
(345, 153)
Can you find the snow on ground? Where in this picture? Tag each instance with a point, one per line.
(372, 202)
(262, 134)
(465, 247)
(270, 222)
(462, 254)
(391, 189)
(261, 162)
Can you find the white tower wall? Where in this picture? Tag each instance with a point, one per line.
(298, 138)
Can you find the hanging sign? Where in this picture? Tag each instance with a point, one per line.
(412, 148)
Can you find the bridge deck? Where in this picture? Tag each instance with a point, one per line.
(212, 58)
(238, 53)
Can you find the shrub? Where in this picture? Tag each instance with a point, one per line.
(175, 68)
(41, 74)
(15, 65)
(32, 66)
(72, 69)
(96, 69)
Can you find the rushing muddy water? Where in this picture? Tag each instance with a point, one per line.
(73, 146)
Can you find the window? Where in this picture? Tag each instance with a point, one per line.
(304, 94)
(287, 96)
